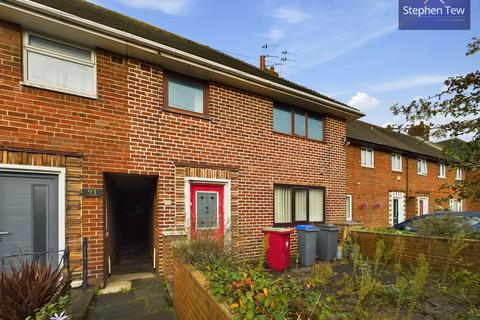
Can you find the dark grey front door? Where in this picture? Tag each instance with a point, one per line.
(28, 213)
(395, 211)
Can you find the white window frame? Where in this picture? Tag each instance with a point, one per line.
(442, 174)
(419, 167)
(362, 158)
(459, 203)
(227, 206)
(458, 174)
(28, 48)
(396, 157)
(348, 213)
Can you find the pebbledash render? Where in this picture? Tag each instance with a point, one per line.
(142, 142)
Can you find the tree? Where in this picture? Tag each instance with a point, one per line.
(452, 113)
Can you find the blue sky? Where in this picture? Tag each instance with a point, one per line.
(351, 50)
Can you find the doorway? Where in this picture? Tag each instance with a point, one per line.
(207, 210)
(397, 208)
(129, 209)
(422, 206)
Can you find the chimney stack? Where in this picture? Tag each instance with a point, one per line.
(262, 62)
(420, 130)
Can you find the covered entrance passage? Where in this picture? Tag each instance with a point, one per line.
(129, 207)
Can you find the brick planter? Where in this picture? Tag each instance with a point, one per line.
(191, 298)
(437, 251)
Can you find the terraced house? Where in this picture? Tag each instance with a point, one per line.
(393, 176)
(131, 137)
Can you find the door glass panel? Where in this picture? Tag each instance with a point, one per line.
(207, 210)
(39, 218)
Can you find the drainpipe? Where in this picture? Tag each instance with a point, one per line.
(407, 181)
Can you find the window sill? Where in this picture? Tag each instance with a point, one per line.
(440, 177)
(298, 137)
(368, 167)
(422, 174)
(187, 113)
(399, 171)
(58, 90)
(293, 225)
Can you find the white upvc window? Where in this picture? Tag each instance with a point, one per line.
(456, 205)
(442, 171)
(422, 167)
(396, 162)
(348, 213)
(59, 66)
(367, 157)
(458, 174)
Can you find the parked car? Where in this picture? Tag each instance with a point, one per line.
(471, 217)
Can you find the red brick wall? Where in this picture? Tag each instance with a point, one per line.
(370, 187)
(125, 131)
(191, 298)
(439, 252)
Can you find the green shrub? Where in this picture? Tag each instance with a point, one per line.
(202, 251)
(445, 226)
(29, 287)
(50, 309)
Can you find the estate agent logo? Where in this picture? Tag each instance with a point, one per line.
(434, 14)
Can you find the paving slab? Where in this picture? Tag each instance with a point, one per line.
(147, 299)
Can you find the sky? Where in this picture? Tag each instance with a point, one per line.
(350, 50)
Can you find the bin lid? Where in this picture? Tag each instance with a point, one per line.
(306, 227)
(277, 230)
(328, 227)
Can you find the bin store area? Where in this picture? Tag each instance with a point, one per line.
(314, 242)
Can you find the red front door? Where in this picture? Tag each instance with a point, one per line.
(206, 209)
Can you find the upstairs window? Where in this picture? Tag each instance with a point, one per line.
(458, 174)
(396, 162)
(186, 94)
(366, 157)
(298, 122)
(422, 167)
(294, 204)
(56, 65)
(442, 172)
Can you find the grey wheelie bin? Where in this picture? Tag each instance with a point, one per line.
(307, 244)
(327, 241)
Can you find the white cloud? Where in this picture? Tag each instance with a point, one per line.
(363, 101)
(274, 34)
(291, 15)
(167, 6)
(408, 83)
(323, 35)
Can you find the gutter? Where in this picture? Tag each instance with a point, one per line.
(172, 52)
(374, 145)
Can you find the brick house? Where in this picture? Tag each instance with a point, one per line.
(393, 176)
(130, 136)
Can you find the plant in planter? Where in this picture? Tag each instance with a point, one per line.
(27, 288)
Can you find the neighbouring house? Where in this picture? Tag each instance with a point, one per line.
(132, 137)
(393, 176)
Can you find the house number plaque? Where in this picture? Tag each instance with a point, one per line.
(92, 192)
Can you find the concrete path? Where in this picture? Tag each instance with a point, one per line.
(147, 299)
